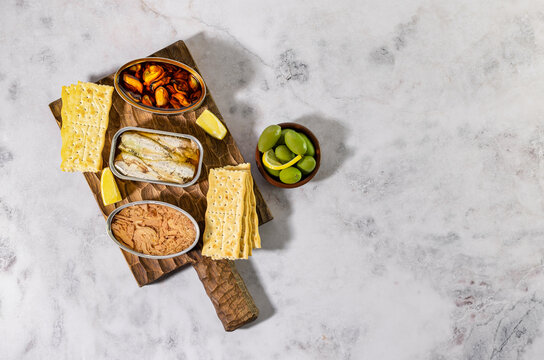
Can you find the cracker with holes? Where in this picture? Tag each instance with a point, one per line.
(85, 116)
(231, 218)
(253, 238)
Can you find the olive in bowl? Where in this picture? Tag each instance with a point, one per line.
(287, 155)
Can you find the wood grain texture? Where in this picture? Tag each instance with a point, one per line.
(221, 281)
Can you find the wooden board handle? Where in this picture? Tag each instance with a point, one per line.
(228, 292)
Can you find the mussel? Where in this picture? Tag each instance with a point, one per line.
(181, 99)
(175, 104)
(152, 73)
(181, 75)
(181, 86)
(196, 95)
(134, 96)
(193, 83)
(135, 68)
(163, 81)
(132, 83)
(147, 100)
(161, 96)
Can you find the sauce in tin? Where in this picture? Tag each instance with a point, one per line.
(156, 84)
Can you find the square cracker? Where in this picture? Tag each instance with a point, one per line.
(225, 197)
(85, 117)
(255, 238)
(249, 233)
(213, 222)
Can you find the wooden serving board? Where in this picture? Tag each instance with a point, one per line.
(221, 281)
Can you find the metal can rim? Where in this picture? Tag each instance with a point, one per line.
(156, 257)
(113, 150)
(193, 72)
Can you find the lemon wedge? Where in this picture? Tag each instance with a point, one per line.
(211, 124)
(108, 188)
(271, 162)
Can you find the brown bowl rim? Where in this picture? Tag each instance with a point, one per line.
(153, 110)
(315, 142)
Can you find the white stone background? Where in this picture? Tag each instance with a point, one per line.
(420, 238)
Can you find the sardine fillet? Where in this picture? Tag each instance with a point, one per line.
(183, 148)
(156, 157)
(143, 147)
(173, 171)
(131, 165)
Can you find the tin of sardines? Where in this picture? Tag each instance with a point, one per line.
(155, 156)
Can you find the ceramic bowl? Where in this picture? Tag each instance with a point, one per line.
(305, 178)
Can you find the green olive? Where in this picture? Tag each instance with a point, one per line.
(275, 173)
(295, 143)
(290, 175)
(306, 164)
(309, 145)
(281, 140)
(269, 137)
(284, 154)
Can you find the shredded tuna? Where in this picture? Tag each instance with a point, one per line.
(153, 229)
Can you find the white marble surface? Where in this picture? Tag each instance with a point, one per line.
(422, 237)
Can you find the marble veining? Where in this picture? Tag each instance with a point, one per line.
(420, 238)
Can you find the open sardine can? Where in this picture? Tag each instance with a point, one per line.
(115, 150)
